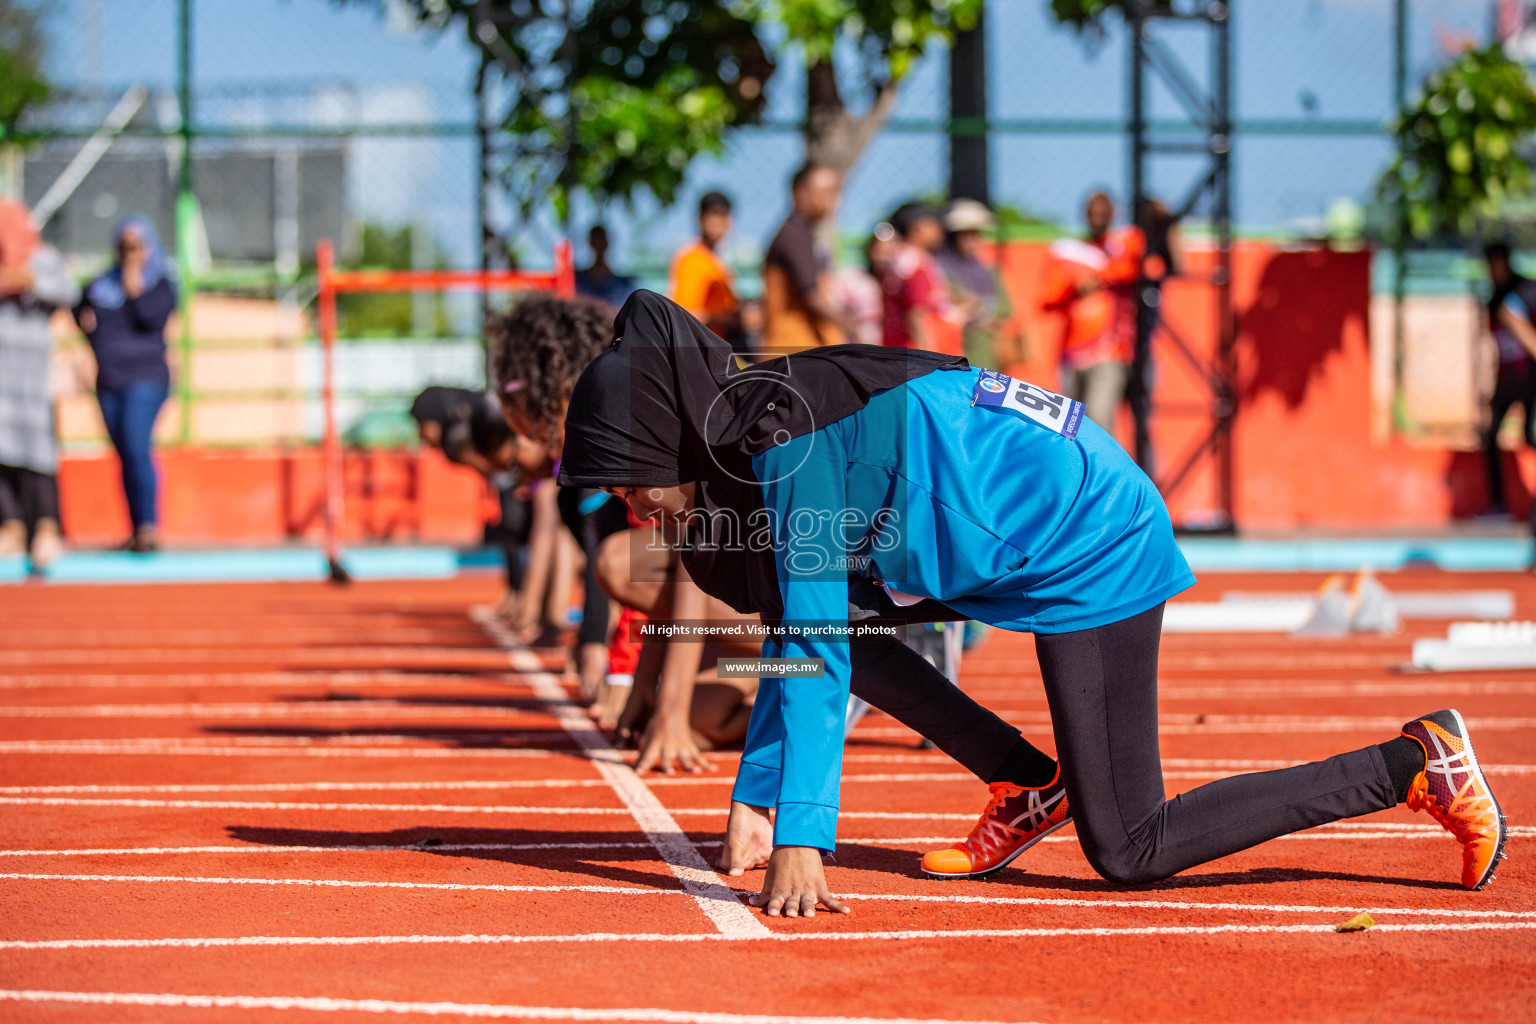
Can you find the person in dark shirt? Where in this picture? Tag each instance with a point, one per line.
(1511, 315)
(124, 313)
(797, 311)
(599, 281)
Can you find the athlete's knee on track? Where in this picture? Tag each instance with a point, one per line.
(1118, 856)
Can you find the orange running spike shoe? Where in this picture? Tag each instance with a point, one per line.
(1453, 789)
(1015, 819)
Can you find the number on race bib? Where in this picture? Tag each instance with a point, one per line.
(1052, 411)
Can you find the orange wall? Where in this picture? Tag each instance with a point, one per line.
(221, 496)
(1303, 454)
(1304, 457)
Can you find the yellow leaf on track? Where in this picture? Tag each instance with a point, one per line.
(1359, 923)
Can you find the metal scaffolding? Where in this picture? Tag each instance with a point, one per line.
(1207, 105)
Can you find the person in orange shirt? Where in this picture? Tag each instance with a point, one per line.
(1091, 284)
(700, 281)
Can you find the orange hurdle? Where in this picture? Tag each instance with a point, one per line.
(561, 280)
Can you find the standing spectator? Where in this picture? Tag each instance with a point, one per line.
(1090, 284)
(598, 280)
(124, 315)
(33, 283)
(795, 304)
(700, 281)
(857, 290)
(918, 310)
(1510, 313)
(975, 285)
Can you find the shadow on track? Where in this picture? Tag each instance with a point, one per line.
(904, 862)
(555, 741)
(599, 861)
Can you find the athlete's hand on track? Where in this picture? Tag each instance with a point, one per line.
(632, 719)
(668, 740)
(748, 839)
(795, 884)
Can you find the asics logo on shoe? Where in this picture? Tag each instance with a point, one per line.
(1037, 812)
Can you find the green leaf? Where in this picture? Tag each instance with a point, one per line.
(1458, 147)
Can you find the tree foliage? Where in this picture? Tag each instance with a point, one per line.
(1084, 14)
(1460, 146)
(22, 50)
(859, 50)
(617, 97)
(611, 97)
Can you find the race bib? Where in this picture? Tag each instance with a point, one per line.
(1052, 411)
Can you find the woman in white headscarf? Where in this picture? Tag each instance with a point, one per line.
(33, 283)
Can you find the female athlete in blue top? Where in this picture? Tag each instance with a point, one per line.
(795, 485)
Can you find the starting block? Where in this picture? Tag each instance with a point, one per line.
(1478, 646)
(1333, 610)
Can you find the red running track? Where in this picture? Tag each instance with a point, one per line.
(294, 802)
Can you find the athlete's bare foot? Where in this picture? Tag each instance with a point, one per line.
(611, 699)
(591, 666)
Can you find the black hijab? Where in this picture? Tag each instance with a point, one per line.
(669, 403)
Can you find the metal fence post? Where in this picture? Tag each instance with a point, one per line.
(186, 213)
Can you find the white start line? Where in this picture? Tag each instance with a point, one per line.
(717, 900)
(852, 935)
(439, 1009)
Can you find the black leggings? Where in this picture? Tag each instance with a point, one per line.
(1515, 385)
(512, 533)
(590, 530)
(1102, 688)
(27, 495)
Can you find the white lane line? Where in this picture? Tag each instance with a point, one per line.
(998, 901)
(165, 748)
(214, 942)
(285, 805)
(718, 901)
(1028, 695)
(335, 883)
(1384, 832)
(297, 709)
(259, 680)
(322, 787)
(1185, 724)
(182, 851)
(289, 805)
(706, 779)
(277, 805)
(1256, 908)
(436, 1009)
(47, 639)
(317, 787)
(309, 657)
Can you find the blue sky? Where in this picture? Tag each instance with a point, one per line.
(1293, 59)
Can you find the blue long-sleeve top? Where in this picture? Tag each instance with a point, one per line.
(129, 339)
(1000, 518)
